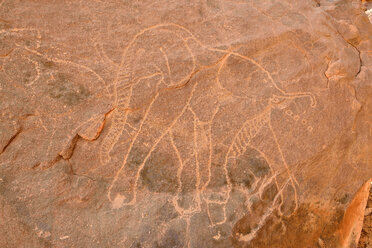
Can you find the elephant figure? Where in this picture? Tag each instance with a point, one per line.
(158, 67)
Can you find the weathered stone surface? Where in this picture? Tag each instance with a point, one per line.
(366, 234)
(184, 123)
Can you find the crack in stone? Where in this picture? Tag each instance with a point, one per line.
(348, 42)
(356, 48)
(360, 58)
(67, 153)
(11, 140)
(51, 163)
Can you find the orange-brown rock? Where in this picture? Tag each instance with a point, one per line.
(173, 123)
(366, 235)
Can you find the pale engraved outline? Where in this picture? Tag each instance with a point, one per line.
(239, 142)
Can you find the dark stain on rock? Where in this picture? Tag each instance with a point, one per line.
(159, 173)
(27, 77)
(257, 164)
(171, 239)
(243, 226)
(135, 117)
(343, 199)
(242, 170)
(135, 158)
(299, 226)
(63, 89)
(248, 182)
(328, 234)
(48, 64)
(167, 212)
(269, 193)
(259, 207)
(240, 176)
(136, 245)
(29, 43)
(259, 168)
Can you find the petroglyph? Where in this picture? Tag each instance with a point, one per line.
(182, 123)
(155, 81)
(159, 40)
(244, 86)
(25, 65)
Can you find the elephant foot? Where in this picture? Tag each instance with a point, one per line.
(216, 204)
(187, 203)
(289, 201)
(216, 213)
(122, 193)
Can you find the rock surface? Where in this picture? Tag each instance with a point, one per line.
(184, 123)
(365, 240)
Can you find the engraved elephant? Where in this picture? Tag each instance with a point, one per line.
(149, 78)
(243, 121)
(156, 68)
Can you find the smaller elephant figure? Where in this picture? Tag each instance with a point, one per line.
(242, 122)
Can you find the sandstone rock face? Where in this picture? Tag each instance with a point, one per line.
(366, 234)
(184, 123)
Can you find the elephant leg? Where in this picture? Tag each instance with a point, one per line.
(276, 192)
(217, 191)
(184, 138)
(267, 144)
(159, 118)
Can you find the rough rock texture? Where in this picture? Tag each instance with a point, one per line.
(367, 5)
(365, 240)
(208, 123)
